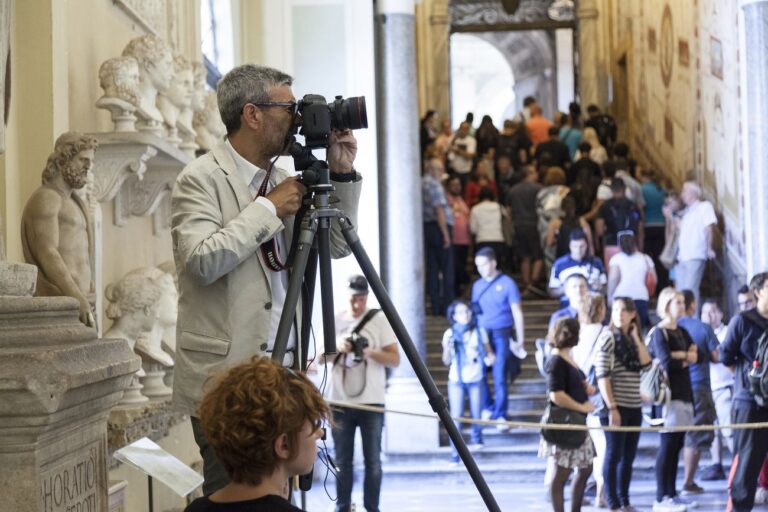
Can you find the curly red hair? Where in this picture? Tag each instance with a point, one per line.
(249, 407)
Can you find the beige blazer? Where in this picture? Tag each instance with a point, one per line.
(225, 295)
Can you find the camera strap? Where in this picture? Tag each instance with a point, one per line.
(269, 248)
(368, 316)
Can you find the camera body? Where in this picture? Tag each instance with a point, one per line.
(318, 117)
(358, 344)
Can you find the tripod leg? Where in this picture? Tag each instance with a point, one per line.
(326, 285)
(304, 242)
(436, 400)
(308, 300)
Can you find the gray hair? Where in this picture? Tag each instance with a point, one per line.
(693, 187)
(248, 83)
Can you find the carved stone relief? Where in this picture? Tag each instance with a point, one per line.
(489, 12)
(150, 14)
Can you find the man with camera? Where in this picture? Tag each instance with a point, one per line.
(367, 346)
(232, 223)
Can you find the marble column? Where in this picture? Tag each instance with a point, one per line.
(589, 73)
(755, 84)
(402, 245)
(433, 67)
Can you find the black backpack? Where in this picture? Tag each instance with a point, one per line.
(758, 375)
(626, 216)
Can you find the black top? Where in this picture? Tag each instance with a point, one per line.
(740, 347)
(562, 376)
(679, 376)
(619, 214)
(269, 503)
(556, 150)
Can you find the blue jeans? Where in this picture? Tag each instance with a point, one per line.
(456, 393)
(620, 451)
(371, 424)
(439, 262)
(642, 313)
(506, 365)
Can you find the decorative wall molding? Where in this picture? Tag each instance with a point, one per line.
(491, 12)
(137, 170)
(152, 15)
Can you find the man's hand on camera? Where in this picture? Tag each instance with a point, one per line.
(287, 196)
(342, 151)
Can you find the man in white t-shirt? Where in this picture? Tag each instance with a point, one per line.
(697, 228)
(461, 153)
(367, 346)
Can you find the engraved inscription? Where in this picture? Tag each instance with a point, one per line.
(74, 485)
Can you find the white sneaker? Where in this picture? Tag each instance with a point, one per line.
(485, 415)
(761, 496)
(667, 504)
(476, 447)
(502, 425)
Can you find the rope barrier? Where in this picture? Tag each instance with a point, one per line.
(538, 426)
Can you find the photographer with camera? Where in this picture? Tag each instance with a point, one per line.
(367, 346)
(232, 223)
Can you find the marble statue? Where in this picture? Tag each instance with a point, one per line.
(155, 62)
(208, 124)
(119, 77)
(177, 99)
(56, 229)
(172, 304)
(133, 308)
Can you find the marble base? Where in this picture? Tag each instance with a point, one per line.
(129, 423)
(133, 394)
(153, 381)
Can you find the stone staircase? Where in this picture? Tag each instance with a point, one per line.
(508, 456)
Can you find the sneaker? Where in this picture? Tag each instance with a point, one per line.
(690, 490)
(687, 503)
(485, 414)
(761, 496)
(713, 472)
(454, 462)
(476, 447)
(502, 426)
(668, 505)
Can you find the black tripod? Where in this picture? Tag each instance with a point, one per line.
(315, 225)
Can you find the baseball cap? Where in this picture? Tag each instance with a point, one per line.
(357, 285)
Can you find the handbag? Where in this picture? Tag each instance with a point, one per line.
(556, 415)
(668, 255)
(650, 279)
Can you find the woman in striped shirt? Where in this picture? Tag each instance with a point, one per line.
(618, 364)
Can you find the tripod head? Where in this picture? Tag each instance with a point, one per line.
(315, 174)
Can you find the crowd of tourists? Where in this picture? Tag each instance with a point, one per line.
(563, 205)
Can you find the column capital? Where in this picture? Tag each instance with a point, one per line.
(396, 6)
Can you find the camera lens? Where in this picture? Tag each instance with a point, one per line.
(349, 114)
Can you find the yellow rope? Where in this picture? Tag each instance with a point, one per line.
(538, 426)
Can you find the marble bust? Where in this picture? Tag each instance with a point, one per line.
(155, 62)
(169, 309)
(207, 123)
(177, 99)
(119, 78)
(56, 227)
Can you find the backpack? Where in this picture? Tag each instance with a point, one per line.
(625, 216)
(654, 386)
(758, 375)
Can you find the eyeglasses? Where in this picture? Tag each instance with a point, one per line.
(290, 106)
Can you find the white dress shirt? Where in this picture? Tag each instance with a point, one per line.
(253, 176)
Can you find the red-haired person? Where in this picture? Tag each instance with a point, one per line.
(262, 421)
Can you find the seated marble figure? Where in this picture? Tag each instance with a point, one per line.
(56, 227)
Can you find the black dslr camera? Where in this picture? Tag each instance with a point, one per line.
(358, 344)
(318, 118)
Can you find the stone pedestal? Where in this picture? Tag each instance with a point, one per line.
(406, 394)
(58, 383)
(154, 380)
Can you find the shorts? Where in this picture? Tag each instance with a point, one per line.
(528, 242)
(704, 414)
(678, 414)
